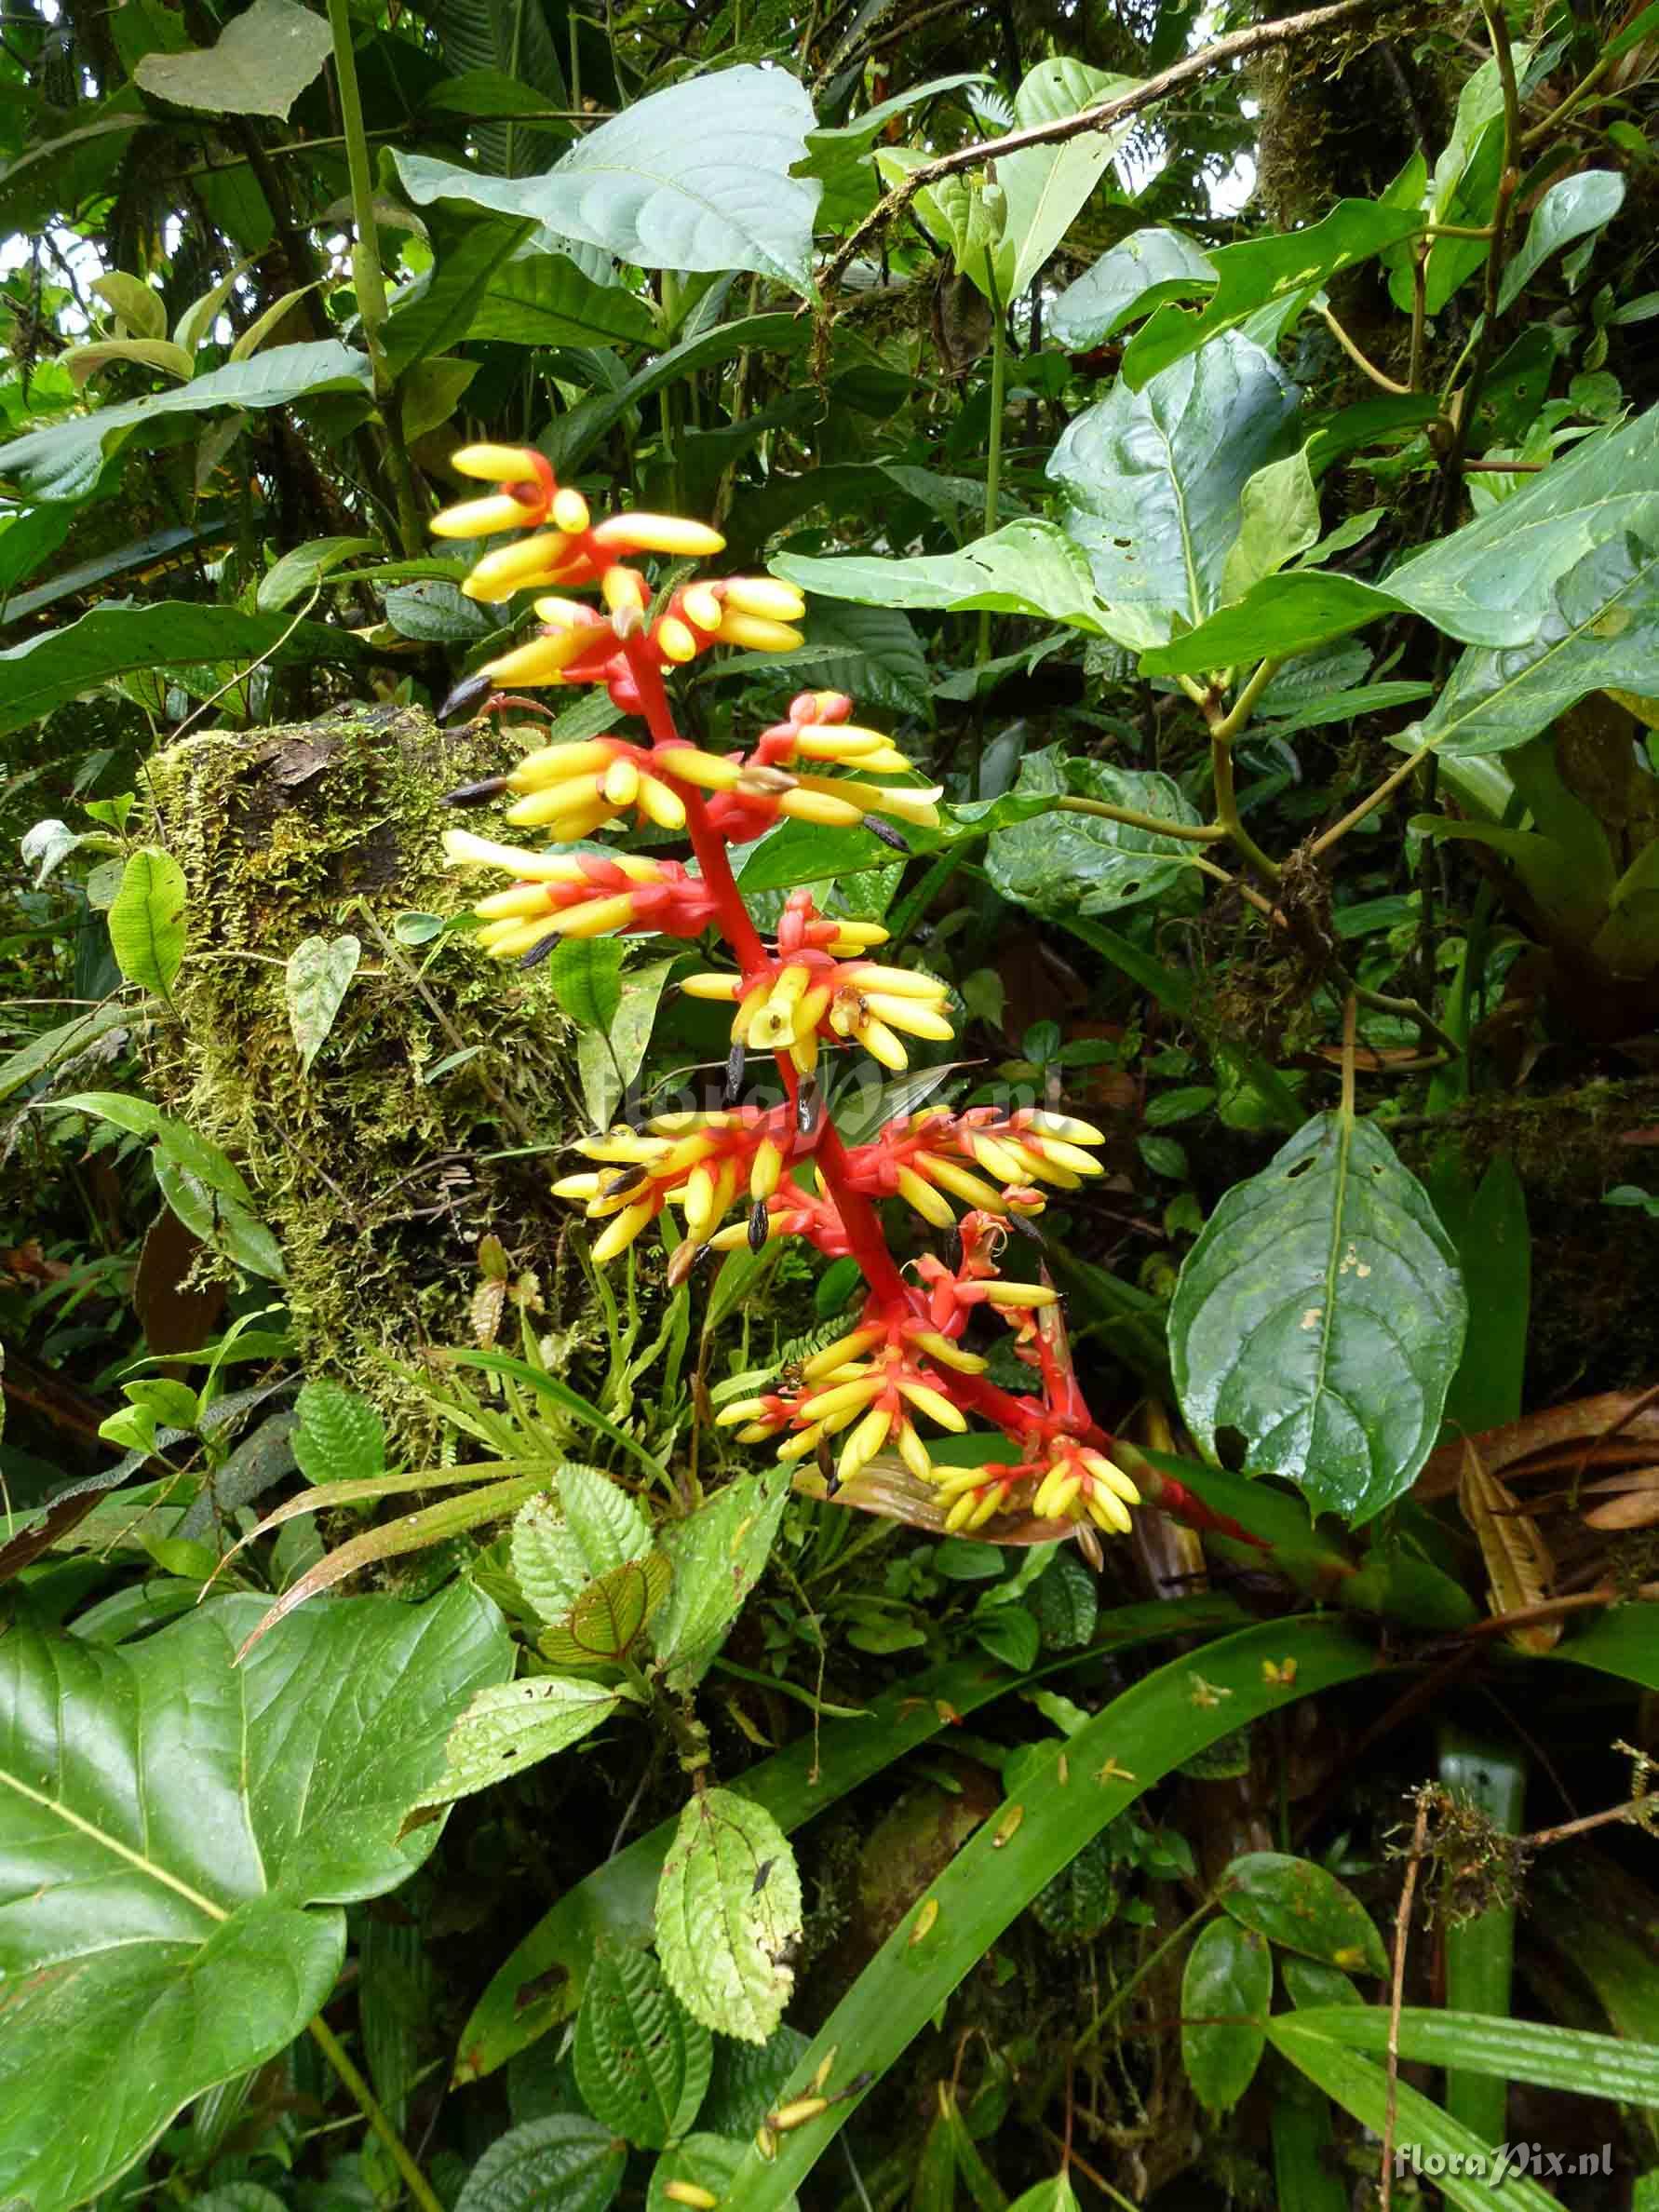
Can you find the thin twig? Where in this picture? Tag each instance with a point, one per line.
(419, 2188)
(1260, 38)
(1362, 360)
(1402, 1934)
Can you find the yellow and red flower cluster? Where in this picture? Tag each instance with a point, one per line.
(785, 1170)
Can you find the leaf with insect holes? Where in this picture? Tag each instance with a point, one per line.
(315, 981)
(728, 1913)
(1224, 1996)
(605, 1622)
(508, 1726)
(1320, 1315)
(718, 1554)
(642, 2063)
(146, 922)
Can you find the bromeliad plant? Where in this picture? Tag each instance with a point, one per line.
(814, 986)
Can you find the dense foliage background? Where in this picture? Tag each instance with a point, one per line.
(1222, 445)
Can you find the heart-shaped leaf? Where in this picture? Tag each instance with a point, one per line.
(178, 1835)
(1320, 1316)
(315, 981)
(259, 65)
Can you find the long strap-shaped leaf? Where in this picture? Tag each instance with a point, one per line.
(1137, 1740)
(1509, 2050)
(571, 1401)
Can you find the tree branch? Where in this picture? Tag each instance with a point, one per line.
(1259, 39)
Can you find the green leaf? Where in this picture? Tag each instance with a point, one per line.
(1025, 568)
(1280, 615)
(1150, 482)
(1488, 1224)
(871, 652)
(643, 186)
(83, 362)
(305, 565)
(1137, 274)
(1568, 211)
(1486, 583)
(1278, 519)
(479, 92)
(718, 1554)
(566, 2162)
(609, 1061)
(57, 665)
(146, 921)
(341, 1437)
(220, 1223)
(139, 305)
(429, 393)
(538, 298)
(61, 1043)
(1309, 1983)
(548, 1564)
(570, 1402)
(1045, 187)
(1224, 1994)
(1597, 630)
(63, 460)
(585, 977)
(609, 1527)
(259, 65)
(1258, 272)
(1320, 1316)
(1140, 1735)
(179, 1834)
(642, 2064)
(1056, 2195)
(508, 1726)
(1298, 1903)
(606, 1621)
(706, 2161)
(1538, 2051)
(315, 984)
(173, 1138)
(839, 156)
(728, 1908)
(1065, 864)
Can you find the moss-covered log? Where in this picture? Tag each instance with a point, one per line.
(379, 1169)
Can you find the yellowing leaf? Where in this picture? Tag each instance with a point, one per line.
(1517, 1561)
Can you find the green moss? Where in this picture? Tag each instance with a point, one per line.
(373, 1172)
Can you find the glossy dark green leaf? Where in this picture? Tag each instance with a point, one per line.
(180, 1833)
(1261, 271)
(696, 177)
(1300, 1904)
(1487, 1222)
(1320, 1316)
(1309, 1982)
(1224, 1994)
(642, 2063)
(63, 461)
(1062, 863)
(1487, 582)
(1131, 279)
(1572, 207)
(1025, 568)
(1150, 482)
(566, 2162)
(1596, 629)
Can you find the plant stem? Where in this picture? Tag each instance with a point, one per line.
(364, 261)
(994, 450)
(1361, 360)
(419, 2188)
(1195, 834)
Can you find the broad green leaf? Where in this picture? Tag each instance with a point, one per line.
(83, 362)
(508, 1726)
(220, 1223)
(565, 2163)
(1487, 1222)
(1225, 1990)
(483, 92)
(174, 1139)
(1319, 1315)
(1310, 1983)
(1131, 278)
(839, 156)
(179, 1834)
(1150, 482)
(642, 2063)
(694, 178)
(608, 1062)
(585, 976)
(1567, 209)
(538, 298)
(139, 305)
(315, 982)
(548, 1564)
(728, 1908)
(146, 921)
(430, 394)
(1025, 568)
(1280, 615)
(718, 1554)
(63, 460)
(607, 1620)
(705, 2160)
(1060, 864)
(1487, 582)
(1298, 1903)
(871, 653)
(305, 565)
(1045, 187)
(1278, 519)
(61, 1042)
(341, 1437)
(259, 65)
(609, 1527)
(49, 670)
(1598, 629)
(1291, 265)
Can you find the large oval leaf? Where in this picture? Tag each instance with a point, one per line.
(1299, 1903)
(566, 2162)
(146, 920)
(728, 1910)
(1065, 864)
(642, 2063)
(1224, 1995)
(1320, 1315)
(177, 1835)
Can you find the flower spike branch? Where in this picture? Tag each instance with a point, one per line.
(903, 1373)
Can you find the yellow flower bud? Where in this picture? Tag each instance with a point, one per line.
(496, 464)
(480, 518)
(570, 510)
(538, 661)
(623, 589)
(659, 533)
(661, 806)
(517, 568)
(755, 634)
(675, 640)
(701, 606)
(764, 597)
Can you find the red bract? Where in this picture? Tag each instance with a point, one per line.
(904, 1374)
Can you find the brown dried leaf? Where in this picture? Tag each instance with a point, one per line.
(1517, 1561)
